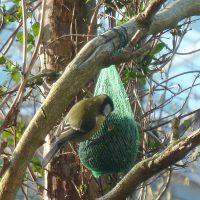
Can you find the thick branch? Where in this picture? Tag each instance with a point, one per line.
(147, 168)
(174, 13)
(165, 19)
(85, 66)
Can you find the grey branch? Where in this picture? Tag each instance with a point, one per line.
(149, 167)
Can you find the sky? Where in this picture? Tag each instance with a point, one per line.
(185, 63)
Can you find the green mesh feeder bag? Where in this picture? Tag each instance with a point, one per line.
(114, 147)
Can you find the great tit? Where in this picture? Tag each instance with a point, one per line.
(82, 122)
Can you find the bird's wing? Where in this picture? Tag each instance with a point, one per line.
(67, 130)
(71, 128)
(68, 135)
(75, 125)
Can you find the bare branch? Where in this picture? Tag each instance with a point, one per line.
(17, 101)
(24, 36)
(149, 167)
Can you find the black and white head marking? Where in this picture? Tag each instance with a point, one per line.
(107, 106)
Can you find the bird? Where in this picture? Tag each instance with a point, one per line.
(82, 121)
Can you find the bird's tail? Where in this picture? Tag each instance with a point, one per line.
(52, 152)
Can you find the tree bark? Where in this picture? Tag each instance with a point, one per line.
(63, 21)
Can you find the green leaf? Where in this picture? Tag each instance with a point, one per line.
(18, 134)
(9, 18)
(2, 60)
(37, 167)
(159, 47)
(3, 90)
(35, 28)
(5, 135)
(129, 74)
(154, 144)
(142, 80)
(18, 14)
(16, 2)
(29, 47)
(20, 37)
(3, 7)
(82, 188)
(146, 60)
(10, 141)
(108, 2)
(15, 76)
(30, 38)
(8, 66)
(21, 125)
(122, 21)
(19, 129)
(14, 72)
(187, 123)
(39, 81)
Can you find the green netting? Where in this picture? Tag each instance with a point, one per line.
(114, 147)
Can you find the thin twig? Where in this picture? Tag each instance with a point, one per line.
(165, 187)
(24, 18)
(24, 193)
(169, 121)
(19, 94)
(93, 19)
(11, 36)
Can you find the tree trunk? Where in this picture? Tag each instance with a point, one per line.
(63, 20)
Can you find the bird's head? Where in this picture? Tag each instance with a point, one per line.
(107, 105)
